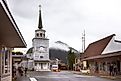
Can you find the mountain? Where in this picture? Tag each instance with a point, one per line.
(60, 46)
(60, 50)
(59, 54)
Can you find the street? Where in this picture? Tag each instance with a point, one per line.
(61, 76)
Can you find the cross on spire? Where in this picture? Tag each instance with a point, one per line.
(39, 7)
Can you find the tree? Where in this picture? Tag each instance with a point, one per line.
(71, 59)
(30, 50)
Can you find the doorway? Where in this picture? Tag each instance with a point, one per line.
(41, 65)
(118, 66)
(96, 67)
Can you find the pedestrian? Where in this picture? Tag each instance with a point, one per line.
(111, 69)
(25, 70)
(115, 69)
(14, 72)
(20, 69)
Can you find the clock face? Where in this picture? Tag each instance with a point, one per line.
(42, 49)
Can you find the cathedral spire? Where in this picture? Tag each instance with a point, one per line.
(40, 19)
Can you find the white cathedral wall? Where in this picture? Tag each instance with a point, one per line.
(112, 47)
(41, 42)
(37, 56)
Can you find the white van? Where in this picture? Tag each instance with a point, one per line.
(54, 68)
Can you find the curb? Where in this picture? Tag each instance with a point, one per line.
(108, 77)
(79, 73)
(111, 77)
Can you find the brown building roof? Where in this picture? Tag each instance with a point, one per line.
(10, 35)
(116, 54)
(96, 48)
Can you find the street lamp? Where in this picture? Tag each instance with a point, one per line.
(57, 61)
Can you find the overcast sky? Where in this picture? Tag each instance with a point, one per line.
(65, 20)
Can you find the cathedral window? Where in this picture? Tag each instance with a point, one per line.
(37, 35)
(35, 64)
(44, 35)
(40, 34)
(41, 56)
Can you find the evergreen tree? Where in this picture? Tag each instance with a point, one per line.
(71, 59)
(30, 50)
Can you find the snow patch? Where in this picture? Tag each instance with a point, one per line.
(59, 46)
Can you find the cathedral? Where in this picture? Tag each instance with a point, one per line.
(40, 43)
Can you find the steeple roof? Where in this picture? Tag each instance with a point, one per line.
(40, 19)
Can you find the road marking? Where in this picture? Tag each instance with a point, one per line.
(33, 79)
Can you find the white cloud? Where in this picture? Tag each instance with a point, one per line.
(65, 20)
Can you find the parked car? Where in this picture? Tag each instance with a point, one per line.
(87, 71)
(55, 68)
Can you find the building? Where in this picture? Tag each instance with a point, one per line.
(100, 55)
(30, 61)
(77, 64)
(41, 48)
(10, 38)
(19, 60)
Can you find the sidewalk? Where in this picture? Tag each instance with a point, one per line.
(22, 78)
(108, 77)
(112, 77)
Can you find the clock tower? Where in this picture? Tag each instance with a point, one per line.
(40, 48)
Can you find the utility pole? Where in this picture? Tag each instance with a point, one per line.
(83, 41)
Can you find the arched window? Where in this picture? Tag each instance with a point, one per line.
(44, 35)
(40, 34)
(37, 35)
(41, 56)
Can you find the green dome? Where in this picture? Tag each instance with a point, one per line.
(30, 50)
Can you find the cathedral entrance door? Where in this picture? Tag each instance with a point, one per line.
(41, 65)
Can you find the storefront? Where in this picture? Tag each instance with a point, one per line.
(101, 64)
(5, 63)
(10, 38)
(103, 57)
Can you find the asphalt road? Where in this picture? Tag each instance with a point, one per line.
(63, 76)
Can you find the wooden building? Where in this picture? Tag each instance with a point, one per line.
(10, 38)
(100, 55)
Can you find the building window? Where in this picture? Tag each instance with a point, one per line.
(37, 35)
(96, 67)
(41, 65)
(101, 66)
(35, 64)
(104, 66)
(40, 34)
(41, 56)
(5, 60)
(44, 35)
(108, 66)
